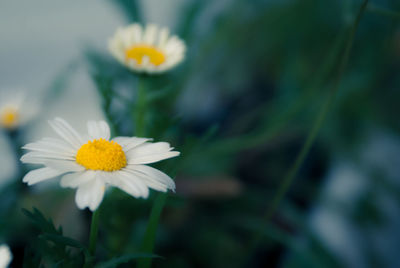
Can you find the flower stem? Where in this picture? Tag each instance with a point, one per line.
(94, 229)
(290, 176)
(140, 111)
(150, 235)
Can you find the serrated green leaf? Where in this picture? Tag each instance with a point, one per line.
(40, 221)
(62, 240)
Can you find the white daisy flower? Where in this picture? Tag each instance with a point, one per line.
(91, 163)
(15, 109)
(149, 50)
(5, 256)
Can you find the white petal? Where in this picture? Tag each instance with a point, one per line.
(150, 182)
(90, 194)
(136, 33)
(74, 180)
(152, 174)
(98, 130)
(39, 157)
(129, 143)
(49, 147)
(130, 184)
(147, 159)
(63, 165)
(62, 145)
(150, 153)
(65, 131)
(150, 34)
(41, 174)
(163, 37)
(5, 256)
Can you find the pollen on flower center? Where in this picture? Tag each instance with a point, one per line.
(9, 117)
(137, 52)
(101, 154)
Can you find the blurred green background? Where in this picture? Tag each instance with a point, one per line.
(256, 76)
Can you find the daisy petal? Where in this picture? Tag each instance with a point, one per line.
(153, 174)
(98, 130)
(41, 174)
(49, 147)
(130, 184)
(63, 165)
(74, 180)
(150, 34)
(65, 131)
(39, 158)
(150, 153)
(90, 194)
(129, 143)
(149, 181)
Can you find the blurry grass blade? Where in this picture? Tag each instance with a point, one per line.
(115, 262)
(189, 15)
(383, 11)
(141, 106)
(308, 259)
(278, 118)
(288, 179)
(151, 230)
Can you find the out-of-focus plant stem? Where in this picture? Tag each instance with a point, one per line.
(151, 230)
(383, 11)
(140, 111)
(288, 179)
(94, 229)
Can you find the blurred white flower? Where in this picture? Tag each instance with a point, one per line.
(5, 256)
(15, 109)
(90, 163)
(148, 49)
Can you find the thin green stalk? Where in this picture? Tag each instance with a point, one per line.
(383, 11)
(288, 179)
(150, 235)
(140, 111)
(94, 229)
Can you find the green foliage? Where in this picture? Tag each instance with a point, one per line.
(51, 246)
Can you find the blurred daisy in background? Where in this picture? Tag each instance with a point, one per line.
(5, 256)
(15, 109)
(90, 163)
(150, 49)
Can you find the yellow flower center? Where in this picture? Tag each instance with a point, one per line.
(101, 155)
(9, 117)
(137, 52)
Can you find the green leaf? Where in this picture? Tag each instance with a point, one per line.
(40, 221)
(59, 239)
(125, 259)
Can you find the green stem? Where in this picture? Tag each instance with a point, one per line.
(150, 235)
(384, 11)
(94, 229)
(288, 179)
(140, 111)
